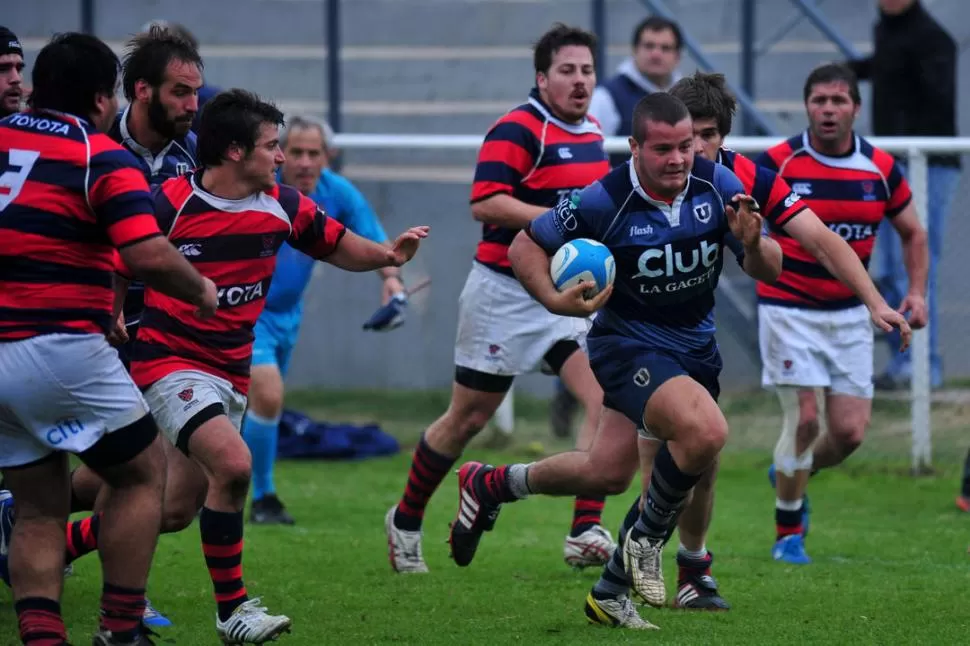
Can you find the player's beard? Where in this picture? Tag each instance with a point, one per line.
(160, 123)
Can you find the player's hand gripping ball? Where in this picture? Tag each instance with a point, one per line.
(583, 260)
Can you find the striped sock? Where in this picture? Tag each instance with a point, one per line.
(40, 622)
(82, 537)
(222, 544)
(788, 518)
(428, 469)
(668, 491)
(121, 611)
(587, 513)
(614, 582)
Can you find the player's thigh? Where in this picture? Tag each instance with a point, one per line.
(790, 342)
(852, 356)
(219, 448)
(682, 410)
(578, 376)
(476, 395)
(68, 393)
(266, 390)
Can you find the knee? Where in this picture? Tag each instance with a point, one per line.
(179, 514)
(848, 436)
(233, 473)
(806, 432)
(710, 436)
(266, 401)
(609, 480)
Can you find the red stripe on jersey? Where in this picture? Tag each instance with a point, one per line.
(234, 244)
(56, 258)
(851, 195)
(507, 153)
(493, 253)
(566, 176)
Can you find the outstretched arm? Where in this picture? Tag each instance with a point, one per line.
(356, 253)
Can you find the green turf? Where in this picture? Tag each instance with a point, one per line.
(890, 551)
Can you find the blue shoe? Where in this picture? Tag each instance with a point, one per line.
(6, 528)
(806, 508)
(153, 617)
(791, 549)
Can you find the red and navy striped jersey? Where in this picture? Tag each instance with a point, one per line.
(538, 159)
(851, 195)
(69, 196)
(234, 243)
(778, 202)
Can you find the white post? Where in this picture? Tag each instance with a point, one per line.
(504, 418)
(920, 382)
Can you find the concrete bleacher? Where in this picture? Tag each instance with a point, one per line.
(446, 67)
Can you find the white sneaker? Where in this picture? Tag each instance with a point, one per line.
(592, 548)
(616, 613)
(250, 624)
(403, 547)
(642, 560)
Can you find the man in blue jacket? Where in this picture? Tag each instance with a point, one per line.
(307, 145)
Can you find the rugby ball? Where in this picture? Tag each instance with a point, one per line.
(583, 260)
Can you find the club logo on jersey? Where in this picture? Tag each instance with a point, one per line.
(665, 262)
(240, 294)
(181, 168)
(186, 395)
(802, 188)
(703, 212)
(852, 232)
(791, 199)
(868, 191)
(565, 211)
(641, 378)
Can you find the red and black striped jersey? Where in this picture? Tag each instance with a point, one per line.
(778, 202)
(538, 159)
(851, 195)
(233, 243)
(69, 196)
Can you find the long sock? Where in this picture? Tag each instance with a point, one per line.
(82, 537)
(587, 513)
(506, 483)
(222, 544)
(262, 435)
(691, 564)
(428, 469)
(40, 622)
(614, 582)
(666, 495)
(122, 610)
(788, 517)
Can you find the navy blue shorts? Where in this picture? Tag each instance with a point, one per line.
(629, 371)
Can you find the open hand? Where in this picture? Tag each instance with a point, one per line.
(406, 245)
(744, 219)
(886, 318)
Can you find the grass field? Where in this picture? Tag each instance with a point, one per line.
(891, 562)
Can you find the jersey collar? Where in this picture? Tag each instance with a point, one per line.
(154, 162)
(671, 211)
(587, 126)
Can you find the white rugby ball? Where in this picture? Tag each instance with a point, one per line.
(583, 260)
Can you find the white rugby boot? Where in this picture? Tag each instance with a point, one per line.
(403, 547)
(592, 548)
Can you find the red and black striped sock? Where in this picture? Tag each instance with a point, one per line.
(587, 513)
(82, 537)
(40, 622)
(428, 469)
(222, 544)
(122, 610)
(788, 521)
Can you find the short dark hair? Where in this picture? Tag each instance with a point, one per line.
(658, 23)
(660, 107)
(233, 117)
(555, 39)
(71, 71)
(707, 97)
(833, 73)
(150, 52)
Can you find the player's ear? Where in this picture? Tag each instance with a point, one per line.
(633, 147)
(143, 91)
(542, 81)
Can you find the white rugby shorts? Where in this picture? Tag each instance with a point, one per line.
(62, 392)
(817, 348)
(181, 395)
(502, 330)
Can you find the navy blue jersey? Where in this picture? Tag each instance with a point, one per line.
(668, 256)
(175, 159)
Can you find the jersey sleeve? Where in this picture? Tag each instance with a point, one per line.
(360, 218)
(778, 202)
(509, 152)
(314, 232)
(581, 215)
(765, 160)
(900, 194)
(118, 195)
